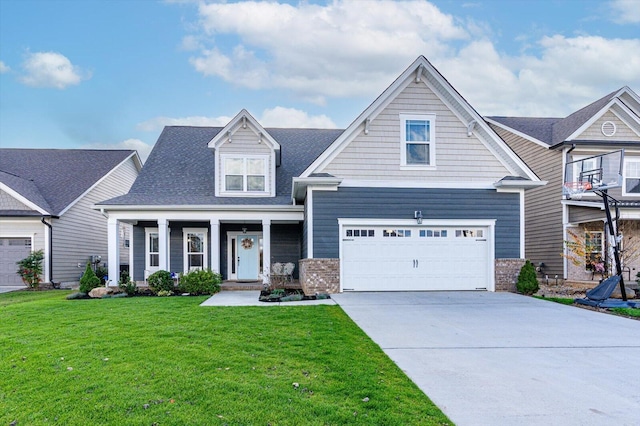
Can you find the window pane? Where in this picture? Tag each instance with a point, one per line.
(632, 185)
(153, 243)
(154, 260)
(233, 183)
(417, 153)
(417, 130)
(255, 166)
(194, 243)
(255, 183)
(195, 261)
(234, 166)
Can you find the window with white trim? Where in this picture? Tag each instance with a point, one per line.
(152, 249)
(631, 178)
(417, 139)
(195, 249)
(244, 175)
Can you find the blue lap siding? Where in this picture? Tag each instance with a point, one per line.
(400, 203)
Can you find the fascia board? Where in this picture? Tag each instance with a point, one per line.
(299, 186)
(256, 127)
(132, 157)
(518, 133)
(196, 207)
(627, 116)
(525, 184)
(23, 199)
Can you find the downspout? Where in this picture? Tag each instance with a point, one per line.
(50, 251)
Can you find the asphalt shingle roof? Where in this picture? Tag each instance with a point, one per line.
(180, 169)
(553, 130)
(54, 178)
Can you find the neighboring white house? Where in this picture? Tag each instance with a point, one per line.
(46, 199)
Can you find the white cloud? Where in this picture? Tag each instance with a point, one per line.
(626, 11)
(4, 68)
(342, 49)
(51, 69)
(357, 48)
(274, 117)
(295, 118)
(142, 147)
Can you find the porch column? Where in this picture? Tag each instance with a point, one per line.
(163, 243)
(266, 249)
(215, 245)
(113, 251)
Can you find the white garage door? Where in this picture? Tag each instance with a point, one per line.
(11, 251)
(404, 258)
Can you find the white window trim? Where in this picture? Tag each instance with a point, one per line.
(624, 177)
(185, 245)
(432, 141)
(269, 176)
(147, 267)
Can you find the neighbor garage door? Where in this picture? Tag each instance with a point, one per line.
(11, 251)
(403, 258)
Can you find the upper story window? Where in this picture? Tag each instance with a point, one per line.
(631, 184)
(417, 139)
(245, 174)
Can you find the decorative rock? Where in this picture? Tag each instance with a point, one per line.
(99, 292)
(618, 295)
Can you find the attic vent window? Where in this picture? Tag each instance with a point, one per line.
(608, 128)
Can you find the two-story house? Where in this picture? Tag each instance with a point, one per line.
(418, 193)
(547, 145)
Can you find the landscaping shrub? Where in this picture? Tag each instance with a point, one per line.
(161, 281)
(102, 272)
(89, 281)
(527, 279)
(30, 269)
(128, 286)
(201, 281)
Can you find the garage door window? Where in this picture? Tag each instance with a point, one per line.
(360, 233)
(433, 233)
(396, 233)
(469, 233)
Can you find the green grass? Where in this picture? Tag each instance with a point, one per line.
(626, 312)
(167, 361)
(563, 300)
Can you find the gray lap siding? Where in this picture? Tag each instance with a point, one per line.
(400, 203)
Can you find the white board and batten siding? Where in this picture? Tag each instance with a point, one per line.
(376, 155)
(81, 231)
(404, 256)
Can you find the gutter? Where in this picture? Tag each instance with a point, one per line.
(50, 250)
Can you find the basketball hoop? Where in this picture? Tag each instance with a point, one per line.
(575, 189)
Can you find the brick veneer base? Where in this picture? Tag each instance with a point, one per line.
(507, 271)
(319, 276)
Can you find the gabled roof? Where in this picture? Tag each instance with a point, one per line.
(180, 169)
(243, 119)
(554, 131)
(423, 70)
(51, 180)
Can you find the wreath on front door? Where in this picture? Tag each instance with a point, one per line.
(247, 243)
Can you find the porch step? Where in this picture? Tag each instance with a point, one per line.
(236, 286)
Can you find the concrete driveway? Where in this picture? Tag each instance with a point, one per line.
(7, 289)
(504, 359)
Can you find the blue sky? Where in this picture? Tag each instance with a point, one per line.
(110, 74)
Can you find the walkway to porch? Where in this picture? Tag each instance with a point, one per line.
(254, 285)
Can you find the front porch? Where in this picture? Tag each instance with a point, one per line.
(239, 246)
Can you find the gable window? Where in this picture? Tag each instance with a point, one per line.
(245, 174)
(195, 249)
(417, 139)
(631, 178)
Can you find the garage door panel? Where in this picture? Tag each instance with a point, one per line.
(419, 258)
(12, 250)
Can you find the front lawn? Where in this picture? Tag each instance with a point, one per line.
(167, 361)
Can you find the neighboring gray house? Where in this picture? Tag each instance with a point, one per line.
(418, 193)
(546, 145)
(46, 200)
